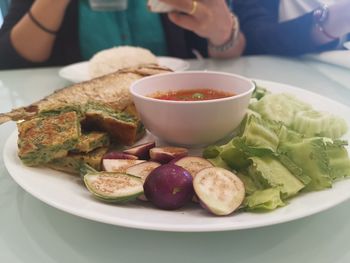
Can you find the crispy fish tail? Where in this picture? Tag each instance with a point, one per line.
(17, 114)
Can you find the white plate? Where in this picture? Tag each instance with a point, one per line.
(79, 72)
(67, 193)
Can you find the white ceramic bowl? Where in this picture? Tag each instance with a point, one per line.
(192, 123)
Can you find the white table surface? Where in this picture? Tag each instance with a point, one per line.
(31, 231)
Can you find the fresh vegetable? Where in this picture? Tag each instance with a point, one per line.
(113, 187)
(259, 92)
(219, 190)
(142, 170)
(310, 154)
(166, 154)
(169, 187)
(339, 162)
(119, 155)
(193, 164)
(269, 170)
(119, 165)
(279, 107)
(317, 123)
(284, 149)
(141, 151)
(263, 200)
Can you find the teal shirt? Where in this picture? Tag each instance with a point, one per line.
(135, 26)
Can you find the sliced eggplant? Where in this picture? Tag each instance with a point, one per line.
(219, 190)
(119, 165)
(193, 164)
(141, 151)
(142, 170)
(166, 154)
(119, 155)
(114, 187)
(169, 186)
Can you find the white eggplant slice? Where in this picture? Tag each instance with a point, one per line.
(114, 187)
(193, 164)
(119, 165)
(142, 170)
(219, 190)
(142, 150)
(166, 154)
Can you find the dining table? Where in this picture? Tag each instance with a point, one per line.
(33, 231)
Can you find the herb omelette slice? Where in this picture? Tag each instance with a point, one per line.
(43, 139)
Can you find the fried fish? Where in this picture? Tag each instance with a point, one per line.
(111, 89)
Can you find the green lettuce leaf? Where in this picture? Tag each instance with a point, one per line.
(271, 173)
(262, 200)
(310, 155)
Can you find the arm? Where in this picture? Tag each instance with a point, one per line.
(259, 23)
(9, 58)
(30, 41)
(22, 42)
(337, 24)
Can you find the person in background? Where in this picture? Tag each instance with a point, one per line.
(293, 27)
(60, 32)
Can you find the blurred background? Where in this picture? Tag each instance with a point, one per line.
(3, 9)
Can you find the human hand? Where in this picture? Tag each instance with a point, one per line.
(210, 19)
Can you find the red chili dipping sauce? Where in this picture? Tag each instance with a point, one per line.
(192, 95)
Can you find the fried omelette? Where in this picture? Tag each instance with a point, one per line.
(74, 162)
(43, 139)
(90, 141)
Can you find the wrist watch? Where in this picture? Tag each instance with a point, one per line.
(320, 16)
(231, 41)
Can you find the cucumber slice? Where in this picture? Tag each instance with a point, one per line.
(317, 123)
(311, 122)
(219, 190)
(114, 187)
(280, 107)
(336, 129)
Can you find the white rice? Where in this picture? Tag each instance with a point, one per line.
(113, 59)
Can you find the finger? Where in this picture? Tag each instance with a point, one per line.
(180, 5)
(184, 21)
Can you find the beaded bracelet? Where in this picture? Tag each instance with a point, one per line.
(41, 26)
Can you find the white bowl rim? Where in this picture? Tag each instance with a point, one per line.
(192, 101)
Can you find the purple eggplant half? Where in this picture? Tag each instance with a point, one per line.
(169, 187)
(141, 151)
(166, 154)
